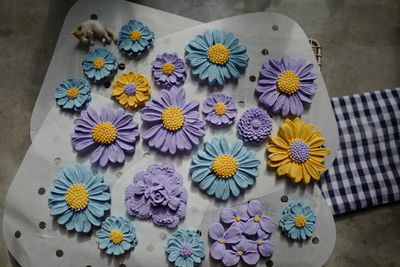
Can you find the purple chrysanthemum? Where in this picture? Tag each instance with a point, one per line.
(285, 85)
(254, 125)
(110, 135)
(176, 125)
(220, 109)
(169, 70)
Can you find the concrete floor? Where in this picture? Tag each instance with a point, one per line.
(360, 39)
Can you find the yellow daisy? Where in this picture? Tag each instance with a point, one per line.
(131, 90)
(296, 151)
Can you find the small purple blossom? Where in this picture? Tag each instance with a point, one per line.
(254, 125)
(235, 218)
(264, 245)
(169, 70)
(245, 249)
(258, 220)
(222, 237)
(220, 109)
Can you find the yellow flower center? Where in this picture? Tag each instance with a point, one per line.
(167, 68)
(77, 197)
(239, 253)
(288, 83)
(98, 63)
(300, 221)
(218, 54)
(104, 133)
(237, 218)
(73, 92)
(224, 166)
(221, 241)
(259, 242)
(220, 108)
(256, 218)
(172, 118)
(116, 236)
(136, 35)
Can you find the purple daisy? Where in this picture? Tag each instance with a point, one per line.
(222, 238)
(235, 218)
(257, 220)
(110, 135)
(254, 125)
(220, 109)
(169, 70)
(176, 125)
(285, 85)
(245, 249)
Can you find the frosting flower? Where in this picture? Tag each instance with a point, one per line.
(117, 235)
(135, 38)
(185, 248)
(169, 70)
(216, 56)
(245, 249)
(257, 220)
(157, 193)
(264, 246)
(220, 109)
(298, 220)
(285, 85)
(73, 93)
(110, 135)
(296, 151)
(254, 125)
(222, 169)
(222, 238)
(236, 218)
(176, 125)
(99, 65)
(79, 198)
(131, 90)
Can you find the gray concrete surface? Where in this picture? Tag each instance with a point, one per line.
(361, 47)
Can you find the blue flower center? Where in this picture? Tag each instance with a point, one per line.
(130, 89)
(186, 250)
(299, 151)
(256, 123)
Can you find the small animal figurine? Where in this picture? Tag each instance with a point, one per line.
(87, 31)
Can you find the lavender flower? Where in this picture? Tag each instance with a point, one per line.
(220, 109)
(254, 125)
(169, 70)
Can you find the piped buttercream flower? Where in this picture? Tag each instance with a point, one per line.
(73, 93)
(222, 238)
(254, 125)
(236, 218)
(169, 70)
(258, 220)
(99, 65)
(135, 38)
(245, 250)
(220, 109)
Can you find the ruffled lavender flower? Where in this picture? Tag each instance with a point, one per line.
(235, 218)
(257, 220)
(169, 70)
(157, 193)
(245, 250)
(254, 125)
(220, 109)
(222, 238)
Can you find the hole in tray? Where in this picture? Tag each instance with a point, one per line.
(42, 225)
(275, 27)
(41, 191)
(264, 51)
(59, 253)
(17, 234)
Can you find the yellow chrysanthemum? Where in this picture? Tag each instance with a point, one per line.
(131, 90)
(296, 151)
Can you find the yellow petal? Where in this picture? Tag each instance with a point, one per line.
(283, 169)
(274, 164)
(275, 149)
(320, 151)
(316, 165)
(122, 80)
(116, 92)
(278, 156)
(298, 125)
(316, 142)
(285, 132)
(123, 99)
(278, 141)
(132, 101)
(295, 172)
(314, 173)
(307, 131)
(306, 175)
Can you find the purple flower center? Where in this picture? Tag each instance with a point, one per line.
(299, 151)
(256, 123)
(186, 250)
(130, 89)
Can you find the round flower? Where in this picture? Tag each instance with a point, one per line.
(169, 70)
(73, 93)
(135, 38)
(298, 220)
(216, 56)
(79, 198)
(245, 250)
(110, 135)
(254, 125)
(222, 238)
(296, 151)
(131, 90)
(257, 220)
(222, 169)
(285, 85)
(117, 235)
(176, 125)
(185, 248)
(220, 109)
(99, 65)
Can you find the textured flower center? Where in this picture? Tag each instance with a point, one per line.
(186, 250)
(130, 89)
(220, 108)
(221, 241)
(77, 197)
(136, 35)
(256, 218)
(288, 83)
(218, 54)
(116, 236)
(167, 68)
(98, 63)
(259, 242)
(104, 133)
(73, 92)
(299, 151)
(224, 166)
(239, 253)
(256, 123)
(173, 118)
(300, 221)
(237, 218)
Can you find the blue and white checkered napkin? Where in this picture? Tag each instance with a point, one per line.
(366, 171)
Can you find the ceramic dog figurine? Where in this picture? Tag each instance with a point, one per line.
(87, 31)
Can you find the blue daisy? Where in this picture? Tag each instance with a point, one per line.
(79, 198)
(222, 169)
(117, 235)
(298, 220)
(99, 65)
(216, 56)
(135, 38)
(185, 248)
(73, 93)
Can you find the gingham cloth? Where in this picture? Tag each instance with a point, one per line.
(366, 170)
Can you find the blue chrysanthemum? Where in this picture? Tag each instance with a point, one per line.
(298, 220)
(216, 56)
(73, 93)
(79, 198)
(117, 235)
(99, 65)
(135, 38)
(222, 169)
(185, 248)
